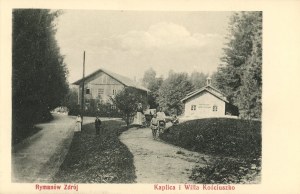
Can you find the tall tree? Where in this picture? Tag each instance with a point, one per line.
(149, 77)
(249, 100)
(172, 90)
(239, 75)
(198, 79)
(153, 84)
(39, 73)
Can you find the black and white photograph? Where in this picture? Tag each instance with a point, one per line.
(173, 100)
(136, 97)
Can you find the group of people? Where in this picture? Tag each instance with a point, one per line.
(157, 123)
(97, 124)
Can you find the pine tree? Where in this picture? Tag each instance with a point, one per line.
(239, 75)
(249, 100)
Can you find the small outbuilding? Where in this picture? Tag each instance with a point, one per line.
(208, 102)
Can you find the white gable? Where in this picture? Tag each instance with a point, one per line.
(209, 89)
(204, 104)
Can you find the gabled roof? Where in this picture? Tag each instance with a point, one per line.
(209, 87)
(120, 78)
(210, 90)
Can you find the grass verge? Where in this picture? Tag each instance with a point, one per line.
(228, 171)
(235, 145)
(98, 158)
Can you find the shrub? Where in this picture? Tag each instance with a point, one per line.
(218, 136)
(96, 108)
(236, 145)
(228, 171)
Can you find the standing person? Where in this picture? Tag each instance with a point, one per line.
(139, 118)
(154, 125)
(97, 125)
(78, 123)
(161, 117)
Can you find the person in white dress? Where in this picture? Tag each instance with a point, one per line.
(78, 123)
(139, 118)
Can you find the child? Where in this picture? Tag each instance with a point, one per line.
(153, 125)
(97, 125)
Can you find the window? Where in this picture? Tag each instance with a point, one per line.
(100, 91)
(87, 91)
(193, 107)
(215, 108)
(114, 92)
(113, 107)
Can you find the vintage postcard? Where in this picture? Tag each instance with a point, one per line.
(174, 97)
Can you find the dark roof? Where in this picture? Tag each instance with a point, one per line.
(120, 78)
(210, 90)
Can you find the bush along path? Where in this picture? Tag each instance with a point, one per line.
(158, 162)
(98, 158)
(235, 145)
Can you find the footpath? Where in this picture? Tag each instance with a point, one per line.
(158, 162)
(38, 157)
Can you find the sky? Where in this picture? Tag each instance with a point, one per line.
(130, 42)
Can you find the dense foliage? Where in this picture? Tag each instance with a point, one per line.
(198, 79)
(71, 101)
(174, 87)
(127, 101)
(218, 136)
(234, 144)
(38, 69)
(102, 109)
(228, 171)
(240, 74)
(97, 159)
(172, 90)
(153, 84)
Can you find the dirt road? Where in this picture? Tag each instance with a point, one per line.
(159, 162)
(37, 158)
